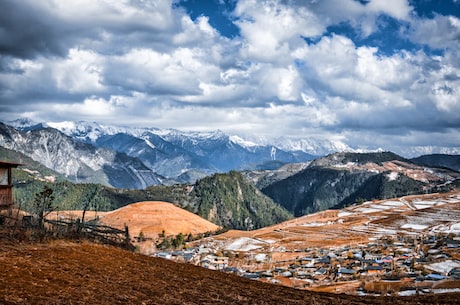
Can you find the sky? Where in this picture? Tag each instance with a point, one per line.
(368, 73)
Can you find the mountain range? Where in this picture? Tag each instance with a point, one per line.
(135, 158)
(224, 179)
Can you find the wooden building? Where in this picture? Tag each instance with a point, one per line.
(6, 184)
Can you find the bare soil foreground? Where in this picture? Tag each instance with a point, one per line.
(64, 272)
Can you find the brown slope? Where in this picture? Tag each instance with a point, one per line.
(70, 273)
(152, 217)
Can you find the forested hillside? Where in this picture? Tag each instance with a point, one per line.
(228, 200)
(341, 179)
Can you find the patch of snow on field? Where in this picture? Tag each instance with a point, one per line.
(426, 204)
(414, 226)
(268, 241)
(437, 291)
(317, 224)
(443, 267)
(452, 199)
(367, 210)
(244, 244)
(447, 229)
(386, 231)
(392, 203)
(384, 206)
(455, 228)
(260, 257)
(344, 214)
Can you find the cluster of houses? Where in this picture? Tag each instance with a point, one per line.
(420, 261)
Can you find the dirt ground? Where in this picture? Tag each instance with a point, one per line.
(67, 272)
(153, 217)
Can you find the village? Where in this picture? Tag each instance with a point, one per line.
(406, 246)
(403, 265)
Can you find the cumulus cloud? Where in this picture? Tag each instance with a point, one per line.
(441, 32)
(285, 74)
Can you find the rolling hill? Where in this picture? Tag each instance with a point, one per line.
(422, 229)
(153, 218)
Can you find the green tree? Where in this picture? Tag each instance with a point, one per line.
(178, 241)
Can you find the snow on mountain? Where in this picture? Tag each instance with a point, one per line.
(21, 123)
(170, 153)
(79, 162)
(416, 151)
(90, 132)
(313, 146)
(242, 142)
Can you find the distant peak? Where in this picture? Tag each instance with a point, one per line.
(21, 123)
(240, 141)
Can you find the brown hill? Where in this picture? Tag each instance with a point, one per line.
(360, 224)
(62, 272)
(153, 217)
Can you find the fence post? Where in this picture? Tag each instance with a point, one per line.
(127, 234)
(78, 225)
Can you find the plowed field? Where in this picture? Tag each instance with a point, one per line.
(64, 272)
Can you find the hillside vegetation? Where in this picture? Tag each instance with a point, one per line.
(319, 188)
(439, 160)
(229, 200)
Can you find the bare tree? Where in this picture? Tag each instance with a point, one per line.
(43, 204)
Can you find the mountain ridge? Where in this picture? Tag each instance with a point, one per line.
(340, 179)
(150, 156)
(78, 161)
(308, 144)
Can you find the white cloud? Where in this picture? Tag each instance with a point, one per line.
(194, 32)
(145, 63)
(80, 72)
(115, 15)
(91, 107)
(361, 16)
(399, 9)
(439, 33)
(270, 29)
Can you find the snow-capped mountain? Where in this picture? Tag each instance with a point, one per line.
(91, 131)
(135, 157)
(78, 161)
(168, 153)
